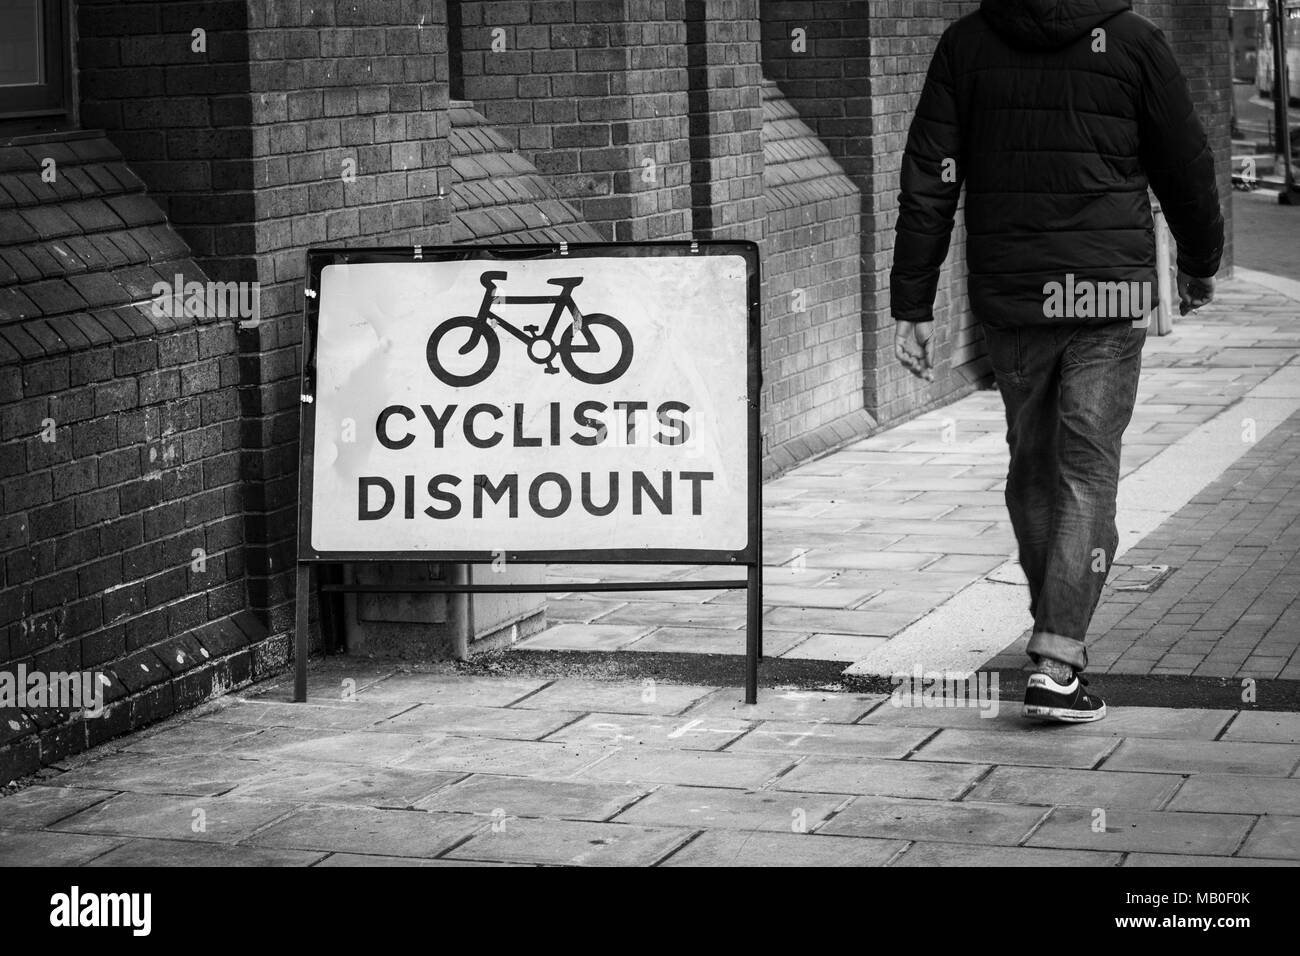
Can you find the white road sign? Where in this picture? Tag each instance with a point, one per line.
(565, 404)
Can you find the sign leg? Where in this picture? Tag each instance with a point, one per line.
(753, 634)
(300, 615)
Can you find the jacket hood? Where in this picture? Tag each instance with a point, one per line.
(1041, 25)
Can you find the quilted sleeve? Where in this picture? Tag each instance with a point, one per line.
(931, 180)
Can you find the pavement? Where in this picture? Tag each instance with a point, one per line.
(1266, 234)
(888, 560)
(383, 767)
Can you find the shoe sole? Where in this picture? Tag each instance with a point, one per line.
(1063, 715)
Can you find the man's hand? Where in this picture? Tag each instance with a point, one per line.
(1193, 292)
(913, 347)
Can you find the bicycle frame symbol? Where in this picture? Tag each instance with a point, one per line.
(542, 345)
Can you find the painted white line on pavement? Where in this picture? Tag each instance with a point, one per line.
(976, 624)
(1275, 283)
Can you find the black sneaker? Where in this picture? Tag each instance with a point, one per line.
(1064, 703)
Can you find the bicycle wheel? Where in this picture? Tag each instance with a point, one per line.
(455, 375)
(591, 323)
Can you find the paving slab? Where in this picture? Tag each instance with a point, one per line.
(357, 830)
(1274, 837)
(310, 715)
(182, 853)
(200, 775)
(697, 768)
(833, 647)
(647, 696)
(588, 637)
(502, 797)
(778, 704)
(362, 747)
(710, 808)
(941, 821)
(1040, 786)
(28, 848)
(331, 679)
(1204, 756)
(702, 732)
(758, 848)
(35, 807)
(851, 559)
(837, 740)
(1265, 727)
(1229, 793)
(1166, 831)
(1165, 860)
(906, 602)
(468, 720)
(381, 788)
(711, 640)
(369, 860)
(1044, 749)
(273, 739)
(580, 608)
(964, 855)
(192, 737)
(450, 689)
(1171, 723)
(827, 596)
(806, 619)
(209, 819)
(674, 614)
(528, 758)
(888, 778)
(569, 843)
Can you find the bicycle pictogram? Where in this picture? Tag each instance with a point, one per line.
(586, 337)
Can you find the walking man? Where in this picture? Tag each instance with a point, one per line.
(1056, 115)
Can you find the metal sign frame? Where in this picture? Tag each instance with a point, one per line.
(750, 557)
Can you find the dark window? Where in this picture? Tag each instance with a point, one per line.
(455, 70)
(35, 54)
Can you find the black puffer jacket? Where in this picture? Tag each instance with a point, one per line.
(1055, 114)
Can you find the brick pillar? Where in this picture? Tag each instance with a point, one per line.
(295, 125)
(854, 75)
(726, 118)
(180, 115)
(594, 94)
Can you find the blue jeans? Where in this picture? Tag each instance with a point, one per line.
(1069, 393)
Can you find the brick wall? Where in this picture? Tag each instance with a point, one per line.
(497, 195)
(298, 125)
(725, 76)
(812, 316)
(854, 73)
(594, 94)
(121, 531)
